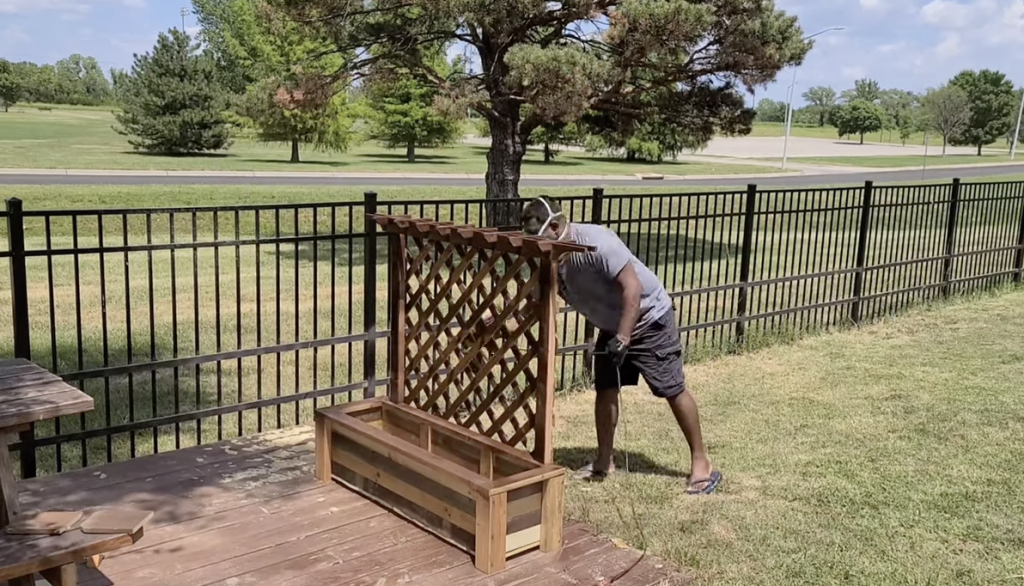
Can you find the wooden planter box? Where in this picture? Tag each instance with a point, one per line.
(482, 496)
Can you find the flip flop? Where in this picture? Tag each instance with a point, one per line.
(712, 484)
(588, 473)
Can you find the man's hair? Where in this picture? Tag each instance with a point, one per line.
(535, 213)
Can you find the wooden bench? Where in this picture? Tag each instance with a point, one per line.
(55, 557)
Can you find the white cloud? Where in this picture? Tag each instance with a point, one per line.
(872, 4)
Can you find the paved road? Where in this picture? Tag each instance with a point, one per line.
(795, 181)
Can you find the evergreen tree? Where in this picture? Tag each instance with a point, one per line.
(172, 101)
(401, 113)
(287, 113)
(286, 80)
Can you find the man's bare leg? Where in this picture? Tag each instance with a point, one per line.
(687, 416)
(606, 417)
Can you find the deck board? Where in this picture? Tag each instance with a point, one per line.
(250, 511)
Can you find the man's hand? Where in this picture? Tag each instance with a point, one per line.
(616, 350)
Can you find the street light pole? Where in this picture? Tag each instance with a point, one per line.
(1016, 133)
(789, 98)
(184, 13)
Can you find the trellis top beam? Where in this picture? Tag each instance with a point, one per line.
(504, 241)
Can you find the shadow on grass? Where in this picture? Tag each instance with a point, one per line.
(332, 164)
(399, 158)
(577, 457)
(181, 155)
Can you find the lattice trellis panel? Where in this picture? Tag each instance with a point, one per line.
(494, 376)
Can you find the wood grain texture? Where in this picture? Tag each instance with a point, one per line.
(242, 516)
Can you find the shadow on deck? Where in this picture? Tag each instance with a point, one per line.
(250, 511)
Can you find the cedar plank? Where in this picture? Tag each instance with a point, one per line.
(47, 407)
(225, 543)
(161, 464)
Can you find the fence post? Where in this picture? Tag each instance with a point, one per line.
(951, 221)
(1018, 262)
(862, 252)
(746, 254)
(596, 217)
(19, 314)
(370, 294)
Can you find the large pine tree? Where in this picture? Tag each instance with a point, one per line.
(173, 102)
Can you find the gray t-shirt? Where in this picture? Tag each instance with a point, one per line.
(588, 283)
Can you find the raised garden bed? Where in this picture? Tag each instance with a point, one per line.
(479, 494)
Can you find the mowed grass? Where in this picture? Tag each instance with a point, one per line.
(933, 160)
(84, 139)
(89, 310)
(891, 455)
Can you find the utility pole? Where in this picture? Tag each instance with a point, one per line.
(789, 98)
(1016, 133)
(184, 13)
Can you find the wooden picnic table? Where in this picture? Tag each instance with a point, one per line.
(29, 393)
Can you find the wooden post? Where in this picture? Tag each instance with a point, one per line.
(951, 222)
(397, 287)
(551, 512)
(543, 450)
(862, 252)
(323, 447)
(491, 526)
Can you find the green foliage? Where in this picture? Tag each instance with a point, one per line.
(401, 112)
(901, 111)
(76, 80)
(992, 100)
(769, 110)
(858, 117)
(822, 99)
(670, 57)
(946, 110)
(285, 80)
(865, 90)
(281, 115)
(172, 102)
(12, 84)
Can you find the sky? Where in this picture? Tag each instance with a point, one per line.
(907, 44)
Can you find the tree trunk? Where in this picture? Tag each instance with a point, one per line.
(504, 166)
(295, 151)
(862, 138)
(979, 150)
(547, 153)
(410, 151)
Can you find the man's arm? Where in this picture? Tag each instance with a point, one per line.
(631, 290)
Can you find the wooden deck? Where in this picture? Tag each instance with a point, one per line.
(251, 512)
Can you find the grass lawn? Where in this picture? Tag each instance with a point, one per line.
(910, 161)
(84, 139)
(889, 455)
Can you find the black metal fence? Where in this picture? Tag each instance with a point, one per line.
(192, 325)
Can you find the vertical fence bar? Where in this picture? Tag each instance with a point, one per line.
(746, 253)
(370, 294)
(950, 248)
(1018, 262)
(862, 251)
(19, 314)
(596, 217)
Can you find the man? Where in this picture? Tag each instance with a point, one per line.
(638, 337)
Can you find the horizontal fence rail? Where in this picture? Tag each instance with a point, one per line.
(196, 324)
